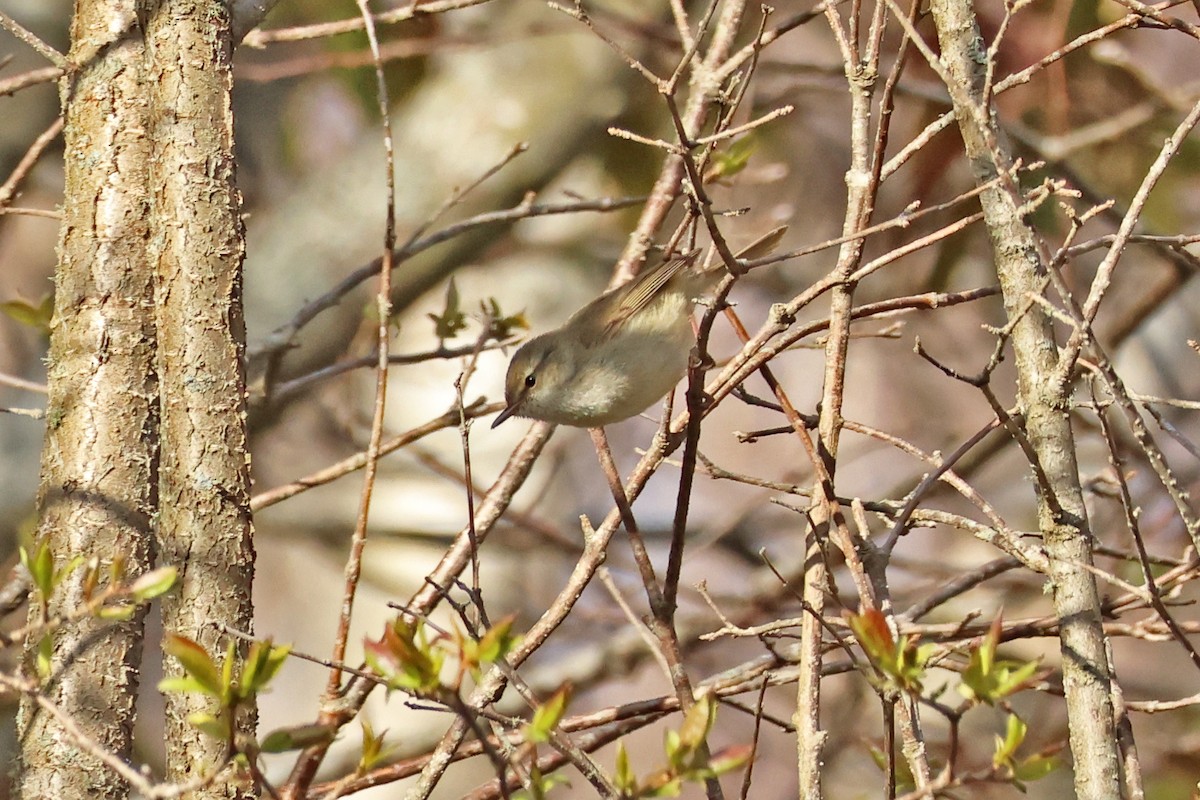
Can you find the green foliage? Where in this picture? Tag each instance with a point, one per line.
(407, 658)
(44, 572)
(686, 759)
(495, 643)
(153, 584)
(986, 680)
(547, 716)
(989, 680)
(899, 665)
(260, 667)
(452, 320)
(730, 161)
(502, 326)
(539, 730)
(44, 660)
(373, 751)
(1005, 758)
(201, 674)
(124, 602)
(297, 737)
(35, 316)
(117, 601)
(224, 683)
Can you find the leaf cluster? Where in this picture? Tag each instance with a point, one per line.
(900, 665)
(688, 759)
(410, 658)
(231, 687)
(116, 600)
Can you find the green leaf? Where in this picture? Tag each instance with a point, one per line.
(182, 684)
(697, 722)
(197, 663)
(502, 326)
(215, 726)
(730, 758)
(154, 583)
(279, 741)
(878, 756)
(40, 564)
(547, 716)
(497, 642)
(730, 161)
(663, 786)
(35, 316)
(373, 751)
(623, 777)
(451, 321)
(262, 663)
(672, 746)
(1035, 768)
(901, 662)
(404, 658)
(874, 636)
(1008, 677)
(1031, 768)
(990, 680)
(910, 670)
(1006, 748)
(45, 655)
(297, 737)
(116, 612)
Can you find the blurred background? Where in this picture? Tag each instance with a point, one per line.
(469, 86)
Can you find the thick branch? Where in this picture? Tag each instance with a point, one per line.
(1087, 675)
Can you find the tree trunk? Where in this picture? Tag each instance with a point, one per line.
(204, 481)
(98, 490)
(1062, 517)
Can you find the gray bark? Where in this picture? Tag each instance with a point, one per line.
(1062, 517)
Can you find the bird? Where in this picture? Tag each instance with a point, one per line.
(615, 356)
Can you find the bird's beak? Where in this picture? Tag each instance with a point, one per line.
(507, 412)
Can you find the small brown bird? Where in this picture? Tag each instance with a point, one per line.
(613, 357)
(620, 352)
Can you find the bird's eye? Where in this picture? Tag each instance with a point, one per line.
(530, 380)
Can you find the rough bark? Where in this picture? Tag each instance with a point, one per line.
(1062, 517)
(97, 492)
(198, 248)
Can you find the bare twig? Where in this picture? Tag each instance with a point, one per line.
(8, 191)
(31, 39)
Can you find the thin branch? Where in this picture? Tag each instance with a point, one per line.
(260, 38)
(1104, 272)
(28, 37)
(8, 191)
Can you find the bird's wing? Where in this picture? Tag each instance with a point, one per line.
(639, 292)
